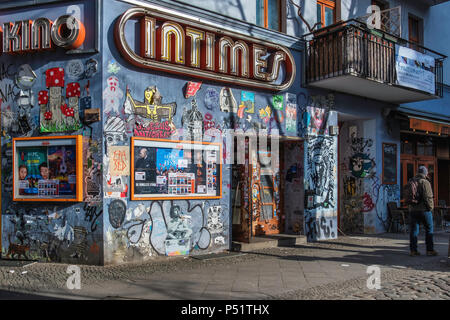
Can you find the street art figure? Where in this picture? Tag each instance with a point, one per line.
(25, 80)
(179, 233)
(192, 122)
(152, 107)
(152, 118)
(115, 131)
(112, 95)
(56, 115)
(361, 165)
(227, 101)
(215, 224)
(212, 100)
(321, 171)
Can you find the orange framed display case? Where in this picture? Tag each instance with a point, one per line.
(48, 169)
(173, 170)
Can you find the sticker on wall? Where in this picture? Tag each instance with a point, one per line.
(113, 67)
(58, 116)
(112, 95)
(119, 160)
(248, 100)
(291, 117)
(212, 100)
(277, 102)
(91, 68)
(315, 120)
(114, 130)
(75, 69)
(115, 184)
(192, 88)
(227, 101)
(92, 170)
(265, 114)
(215, 224)
(192, 122)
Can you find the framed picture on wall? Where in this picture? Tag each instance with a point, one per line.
(48, 168)
(389, 173)
(168, 169)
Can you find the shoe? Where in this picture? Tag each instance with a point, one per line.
(414, 253)
(432, 253)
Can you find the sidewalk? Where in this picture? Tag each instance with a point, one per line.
(262, 274)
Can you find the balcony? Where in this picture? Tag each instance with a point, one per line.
(351, 58)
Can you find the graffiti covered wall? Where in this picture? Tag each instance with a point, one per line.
(364, 197)
(320, 177)
(177, 108)
(47, 93)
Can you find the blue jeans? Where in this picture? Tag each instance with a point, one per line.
(426, 218)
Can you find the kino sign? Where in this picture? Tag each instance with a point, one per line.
(180, 45)
(28, 35)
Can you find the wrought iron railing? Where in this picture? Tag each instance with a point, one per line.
(351, 48)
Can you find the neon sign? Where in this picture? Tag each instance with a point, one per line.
(41, 34)
(179, 45)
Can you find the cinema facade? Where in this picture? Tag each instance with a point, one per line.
(134, 130)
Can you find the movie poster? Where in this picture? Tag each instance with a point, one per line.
(47, 171)
(176, 172)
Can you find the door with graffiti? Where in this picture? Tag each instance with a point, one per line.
(265, 182)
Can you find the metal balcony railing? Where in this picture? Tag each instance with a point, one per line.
(351, 48)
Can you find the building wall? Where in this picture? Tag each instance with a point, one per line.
(143, 226)
(57, 232)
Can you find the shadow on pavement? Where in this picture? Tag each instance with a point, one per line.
(10, 295)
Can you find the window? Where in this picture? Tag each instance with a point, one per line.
(269, 14)
(326, 12)
(415, 32)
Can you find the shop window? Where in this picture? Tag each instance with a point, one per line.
(407, 147)
(48, 169)
(269, 14)
(425, 148)
(326, 12)
(168, 169)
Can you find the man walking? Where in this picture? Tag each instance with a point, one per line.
(422, 212)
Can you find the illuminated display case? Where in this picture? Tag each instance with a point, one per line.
(48, 168)
(169, 169)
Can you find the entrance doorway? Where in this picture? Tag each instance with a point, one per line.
(258, 192)
(419, 151)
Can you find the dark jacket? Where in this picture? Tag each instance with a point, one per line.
(426, 202)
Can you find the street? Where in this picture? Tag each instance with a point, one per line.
(331, 270)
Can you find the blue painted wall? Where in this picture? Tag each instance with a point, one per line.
(71, 233)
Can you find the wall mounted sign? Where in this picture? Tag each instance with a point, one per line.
(389, 163)
(183, 45)
(41, 34)
(169, 169)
